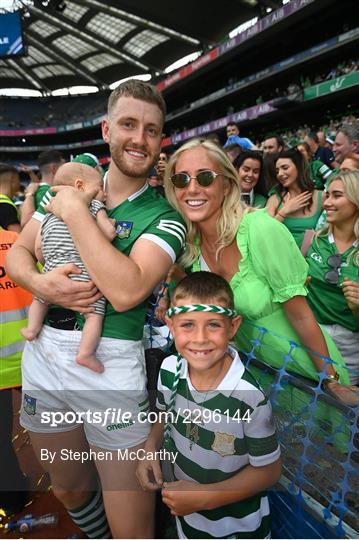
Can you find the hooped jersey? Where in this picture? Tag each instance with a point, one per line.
(145, 215)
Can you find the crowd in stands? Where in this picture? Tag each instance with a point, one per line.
(284, 210)
(52, 111)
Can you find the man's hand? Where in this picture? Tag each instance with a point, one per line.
(149, 474)
(69, 200)
(58, 288)
(32, 188)
(183, 497)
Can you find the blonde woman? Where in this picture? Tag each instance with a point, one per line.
(258, 257)
(333, 260)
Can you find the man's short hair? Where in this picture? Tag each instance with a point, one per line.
(312, 135)
(48, 157)
(232, 124)
(280, 141)
(6, 169)
(137, 90)
(351, 131)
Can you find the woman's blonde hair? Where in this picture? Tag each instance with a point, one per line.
(350, 181)
(232, 207)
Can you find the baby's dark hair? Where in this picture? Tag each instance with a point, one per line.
(205, 288)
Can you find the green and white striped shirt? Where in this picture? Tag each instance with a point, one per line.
(220, 445)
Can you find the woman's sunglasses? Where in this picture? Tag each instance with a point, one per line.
(332, 276)
(203, 178)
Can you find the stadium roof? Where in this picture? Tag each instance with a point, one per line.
(97, 42)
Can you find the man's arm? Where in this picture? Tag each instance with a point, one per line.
(8, 218)
(55, 287)
(124, 281)
(14, 227)
(28, 208)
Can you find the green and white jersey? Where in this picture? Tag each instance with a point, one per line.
(40, 211)
(231, 427)
(145, 215)
(39, 195)
(327, 301)
(320, 173)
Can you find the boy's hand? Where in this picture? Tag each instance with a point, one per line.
(183, 498)
(149, 475)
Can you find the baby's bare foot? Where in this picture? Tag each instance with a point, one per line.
(90, 361)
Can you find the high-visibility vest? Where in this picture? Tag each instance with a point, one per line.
(14, 302)
(6, 199)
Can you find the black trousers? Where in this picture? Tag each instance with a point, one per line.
(11, 477)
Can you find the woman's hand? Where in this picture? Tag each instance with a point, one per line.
(351, 293)
(182, 497)
(296, 203)
(344, 393)
(163, 303)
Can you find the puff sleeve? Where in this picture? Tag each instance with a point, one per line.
(275, 256)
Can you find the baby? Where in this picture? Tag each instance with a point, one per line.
(55, 247)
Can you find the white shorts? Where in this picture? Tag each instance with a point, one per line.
(348, 344)
(59, 394)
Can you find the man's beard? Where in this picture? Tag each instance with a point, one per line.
(131, 170)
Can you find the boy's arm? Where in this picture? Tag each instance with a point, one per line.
(146, 266)
(186, 497)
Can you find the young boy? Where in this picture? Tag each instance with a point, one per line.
(227, 452)
(55, 247)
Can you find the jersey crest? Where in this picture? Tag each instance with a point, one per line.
(29, 405)
(123, 229)
(223, 444)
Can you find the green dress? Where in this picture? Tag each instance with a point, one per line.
(298, 225)
(271, 271)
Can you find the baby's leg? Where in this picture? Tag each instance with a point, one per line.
(91, 334)
(37, 314)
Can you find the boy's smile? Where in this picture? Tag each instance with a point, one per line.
(202, 339)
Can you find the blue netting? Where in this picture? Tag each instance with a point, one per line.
(317, 496)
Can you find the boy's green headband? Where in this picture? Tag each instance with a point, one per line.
(206, 308)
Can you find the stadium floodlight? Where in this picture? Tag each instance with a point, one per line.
(10, 6)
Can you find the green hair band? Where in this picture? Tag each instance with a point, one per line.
(204, 308)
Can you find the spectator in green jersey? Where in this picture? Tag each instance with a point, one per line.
(319, 171)
(249, 165)
(294, 201)
(333, 260)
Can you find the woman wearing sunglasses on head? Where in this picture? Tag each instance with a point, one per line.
(294, 201)
(333, 259)
(257, 256)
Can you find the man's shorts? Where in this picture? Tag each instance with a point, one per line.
(60, 395)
